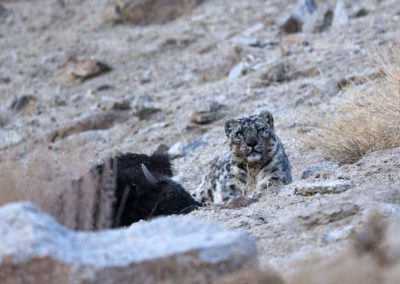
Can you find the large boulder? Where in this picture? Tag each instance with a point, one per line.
(34, 248)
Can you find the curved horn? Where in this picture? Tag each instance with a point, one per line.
(150, 178)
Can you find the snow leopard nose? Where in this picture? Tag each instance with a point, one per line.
(251, 141)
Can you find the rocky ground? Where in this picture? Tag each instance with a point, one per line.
(172, 85)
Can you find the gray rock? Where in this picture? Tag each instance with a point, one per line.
(390, 209)
(320, 20)
(206, 112)
(294, 43)
(330, 87)
(144, 111)
(20, 103)
(194, 145)
(340, 16)
(175, 249)
(253, 29)
(236, 71)
(9, 138)
(359, 12)
(276, 73)
(110, 103)
(4, 12)
(314, 169)
(303, 10)
(143, 106)
(161, 148)
(249, 41)
(325, 187)
(177, 150)
(89, 68)
(338, 234)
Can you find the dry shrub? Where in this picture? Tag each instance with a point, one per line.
(60, 184)
(367, 119)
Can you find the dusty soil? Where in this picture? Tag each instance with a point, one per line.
(175, 68)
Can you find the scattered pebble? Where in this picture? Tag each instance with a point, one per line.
(206, 112)
(90, 68)
(177, 150)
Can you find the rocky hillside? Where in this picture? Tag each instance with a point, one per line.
(83, 79)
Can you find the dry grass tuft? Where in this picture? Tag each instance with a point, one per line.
(367, 119)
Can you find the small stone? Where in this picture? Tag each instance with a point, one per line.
(74, 72)
(338, 234)
(326, 187)
(329, 87)
(390, 209)
(253, 29)
(4, 12)
(144, 112)
(249, 41)
(177, 150)
(236, 71)
(109, 103)
(359, 12)
(90, 68)
(206, 112)
(9, 138)
(104, 87)
(143, 106)
(292, 44)
(315, 169)
(22, 103)
(277, 73)
(303, 10)
(240, 202)
(5, 80)
(59, 101)
(161, 148)
(340, 16)
(320, 20)
(194, 145)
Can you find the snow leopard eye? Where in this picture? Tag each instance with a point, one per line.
(239, 135)
(261, 130)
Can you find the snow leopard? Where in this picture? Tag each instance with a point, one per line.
(255, 161)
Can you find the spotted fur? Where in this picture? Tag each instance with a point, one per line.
(256, 160)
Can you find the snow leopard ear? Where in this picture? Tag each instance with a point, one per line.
(268, 116)
(229, 126)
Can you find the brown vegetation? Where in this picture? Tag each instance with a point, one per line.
(367, 119)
